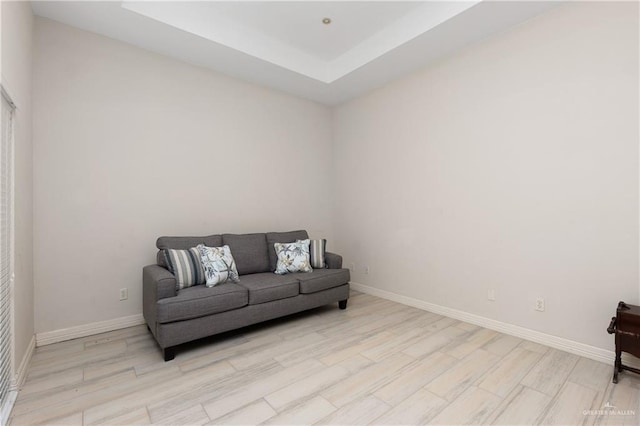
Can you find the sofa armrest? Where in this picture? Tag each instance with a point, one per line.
(333, 261)
(158, 281)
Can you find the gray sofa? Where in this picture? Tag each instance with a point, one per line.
(176, 317)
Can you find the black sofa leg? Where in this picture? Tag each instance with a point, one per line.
(343, 304)
(169, 353)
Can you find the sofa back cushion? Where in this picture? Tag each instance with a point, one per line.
(282, 237)
(184, 243)
(249, 251)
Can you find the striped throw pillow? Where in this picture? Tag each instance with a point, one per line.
(316, 251)
(186, 265)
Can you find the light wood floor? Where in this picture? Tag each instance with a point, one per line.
(378, 362)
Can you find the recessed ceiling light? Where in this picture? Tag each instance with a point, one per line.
(326, 21)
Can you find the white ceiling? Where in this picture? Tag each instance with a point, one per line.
(286, 46)
(299, 24)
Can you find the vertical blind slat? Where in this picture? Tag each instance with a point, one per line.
(5, 249)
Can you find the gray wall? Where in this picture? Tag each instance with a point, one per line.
(17, 29)
(511, 165)
(130, 145)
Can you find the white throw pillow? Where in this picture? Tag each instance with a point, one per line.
(293, 257)
(218, 265)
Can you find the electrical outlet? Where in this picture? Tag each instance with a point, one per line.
(124, 294)
(540, 304)
(491, 295)
(352, 267)
(366, 270)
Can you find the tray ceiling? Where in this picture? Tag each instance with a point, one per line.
(286, 45)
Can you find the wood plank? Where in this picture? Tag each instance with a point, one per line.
(503, 344)
(550, 373)
(158, 391)
(309, 412)
(191, 416)
(523, 407)
(458, 378)
(415, 377)
(356, 348)
(473, 407)
(393, 345)
(570, 405)
(256, 412)
(378, 362)
(620, 404)
(434, 341)
(359, 412)
(505, 376)
(463, 346)
(302, 389)
(366, 380)
(256, 389)
(418, 409)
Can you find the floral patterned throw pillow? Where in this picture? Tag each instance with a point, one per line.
(218, 265)
(293, 257)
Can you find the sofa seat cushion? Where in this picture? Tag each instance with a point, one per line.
(199, 301)
(321, 279)
(268, 286)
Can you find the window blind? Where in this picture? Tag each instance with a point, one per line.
(6, 268)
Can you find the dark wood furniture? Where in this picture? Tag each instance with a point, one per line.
(626, 326)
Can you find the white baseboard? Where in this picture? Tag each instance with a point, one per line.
(577, 348)
(55, 336)
(21, 372)
(5, 409)
(17, 381)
